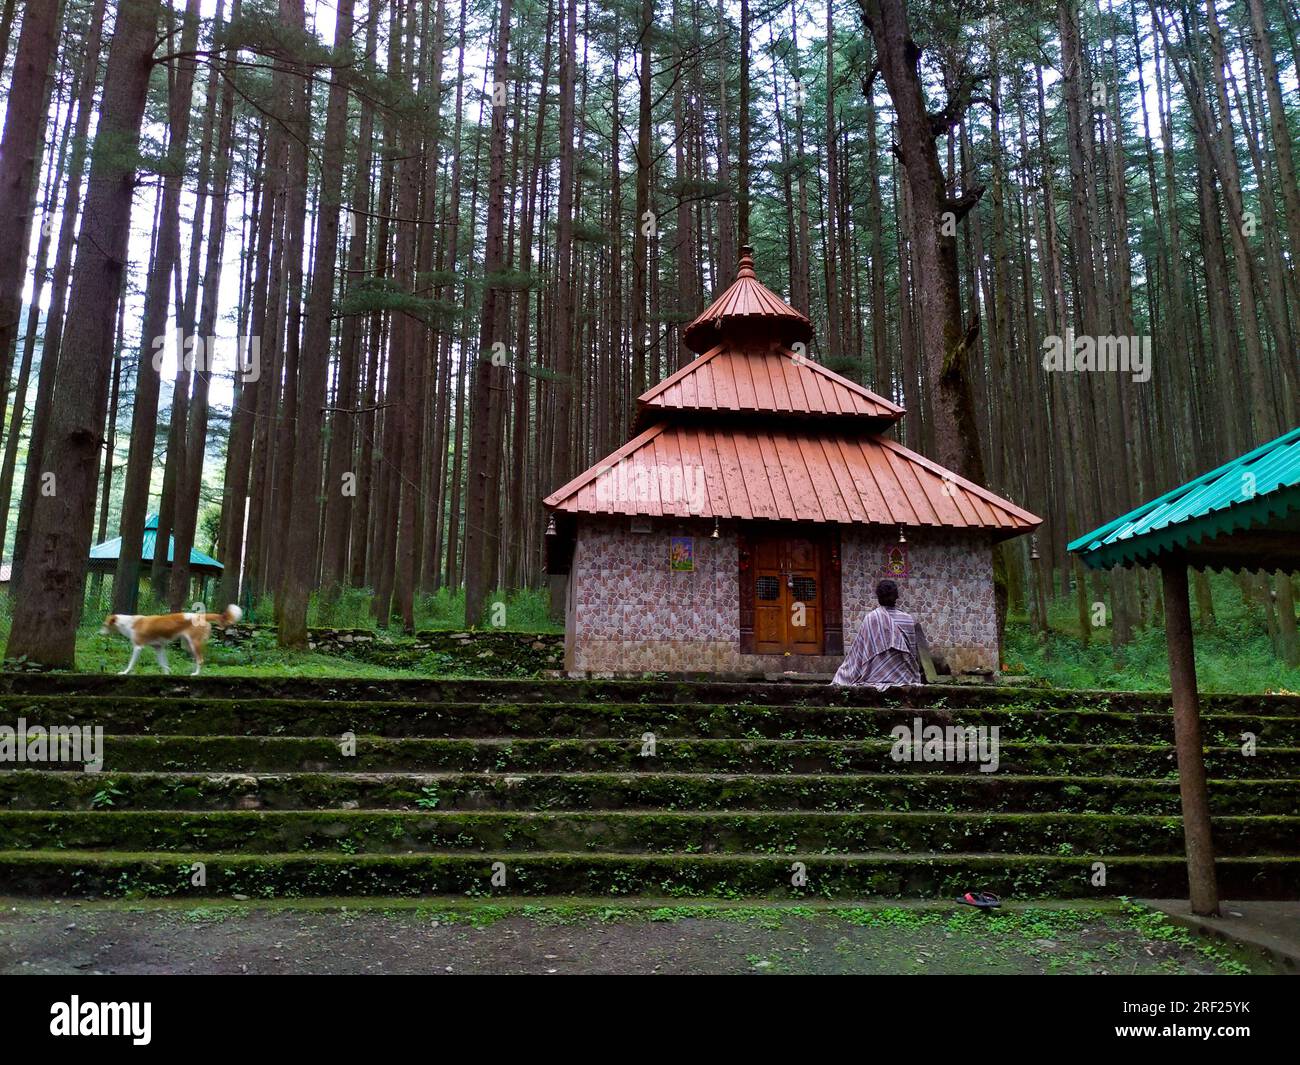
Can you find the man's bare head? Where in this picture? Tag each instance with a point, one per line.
(887, 593)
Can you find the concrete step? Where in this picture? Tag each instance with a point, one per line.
(186, 715)
(509, 754)
(749, 787)
(975, 792)
(439, 690)
(766, 833)
(206, 874)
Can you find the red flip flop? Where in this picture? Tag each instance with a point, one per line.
(984, 900)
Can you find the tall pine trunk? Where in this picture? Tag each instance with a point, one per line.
(48, 599)
(299, 575)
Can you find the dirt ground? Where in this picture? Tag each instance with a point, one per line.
(593, 938)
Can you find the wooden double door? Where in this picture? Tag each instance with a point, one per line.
(789, 582)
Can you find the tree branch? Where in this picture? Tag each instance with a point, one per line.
(961, 205)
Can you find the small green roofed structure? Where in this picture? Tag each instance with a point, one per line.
(1245, 515)
(103, 557)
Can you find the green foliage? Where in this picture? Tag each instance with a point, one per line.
(210, 527)
(438, 278)
(375, 294)
(590, 232)
(512, 280)
(526, 610)
(350, 609)
(104, 798)
(1234, 654)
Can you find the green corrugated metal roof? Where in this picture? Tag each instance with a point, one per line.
(109, 550)
(1255, 491)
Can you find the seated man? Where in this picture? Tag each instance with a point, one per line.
(885, 650)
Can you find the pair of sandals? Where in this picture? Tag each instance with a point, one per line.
(984, 900)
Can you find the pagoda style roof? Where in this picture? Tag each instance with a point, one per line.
(734, 377)
(747, 305)
(755, 429)
(799, 473)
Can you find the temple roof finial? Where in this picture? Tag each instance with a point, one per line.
(746, 266)
(749, 307)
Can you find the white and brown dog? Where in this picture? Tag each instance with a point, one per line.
(158, 630)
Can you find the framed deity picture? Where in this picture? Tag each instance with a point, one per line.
(681, 554)
(896, 564)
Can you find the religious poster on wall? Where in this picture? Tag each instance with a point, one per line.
(681, 554)
(896, 564)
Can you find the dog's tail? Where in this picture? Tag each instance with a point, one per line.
(229, 616)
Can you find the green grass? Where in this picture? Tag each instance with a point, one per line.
(1233, 654)
(521, 610)
(259, 657)
(524, 610)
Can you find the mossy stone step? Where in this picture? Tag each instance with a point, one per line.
(180, 715)
(262, 754)
(31, 789)
(153, 874)
(617, 691)
(771, 833)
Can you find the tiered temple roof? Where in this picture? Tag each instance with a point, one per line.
(755, 429)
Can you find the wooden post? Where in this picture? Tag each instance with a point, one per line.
(1203, 890)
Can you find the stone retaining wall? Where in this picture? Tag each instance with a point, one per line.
(486, 651)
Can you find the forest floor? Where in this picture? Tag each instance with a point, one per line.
(1234, 652)
(596, 937)
(1233, 649)
(1231, 658)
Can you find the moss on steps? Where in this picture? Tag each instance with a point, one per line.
(28, 789)
(270, 754)
(548, 777)
(772, 833)
(186, 715)
(673, 876)
(488, 653)
(622, 691)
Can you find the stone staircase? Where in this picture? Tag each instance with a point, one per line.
(218, 787)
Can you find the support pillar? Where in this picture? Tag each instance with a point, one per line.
(1203, 889)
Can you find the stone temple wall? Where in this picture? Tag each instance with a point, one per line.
(949, 589)
(629, 612)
